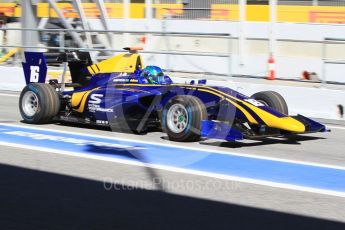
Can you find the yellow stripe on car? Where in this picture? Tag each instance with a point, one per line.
(285, 123)
(79, 100)
(245, 112)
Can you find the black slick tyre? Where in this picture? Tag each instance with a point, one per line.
(39, 103)
(181, 118)
(273, 100)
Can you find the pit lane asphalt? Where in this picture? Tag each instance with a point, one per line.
(323, 148)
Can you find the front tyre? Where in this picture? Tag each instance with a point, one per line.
(181, 118)
(272, 99)
(39, 103)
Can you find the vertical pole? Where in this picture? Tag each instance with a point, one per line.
(104, 19)
(126, 10)
(167, 42)
(273, 20)
(149, 17)
(29, 21)
(148, 10)
(230, 56)
(63, 76)
(242, 32)
(126, 14)
(324, 43)
(83, 19)
(62, 41)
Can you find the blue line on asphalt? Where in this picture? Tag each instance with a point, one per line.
(192, 159)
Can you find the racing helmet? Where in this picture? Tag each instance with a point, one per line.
(153, 74)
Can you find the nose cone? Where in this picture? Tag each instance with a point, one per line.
(292, 125)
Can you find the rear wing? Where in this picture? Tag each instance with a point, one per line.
(36, 64)
(35, 67)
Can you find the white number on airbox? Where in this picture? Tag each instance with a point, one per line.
(34, 73)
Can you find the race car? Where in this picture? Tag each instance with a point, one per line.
(121, 93)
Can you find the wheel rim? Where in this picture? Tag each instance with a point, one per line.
(177, 118)
(30, 103)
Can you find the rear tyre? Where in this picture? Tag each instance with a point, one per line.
(273, 100)
(39, 103)
(181, 118)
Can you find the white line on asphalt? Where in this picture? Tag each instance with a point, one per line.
(335, 127)
(8, 95)
(180, 170)
(212, 151)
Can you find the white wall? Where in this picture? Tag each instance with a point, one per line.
(292, 58)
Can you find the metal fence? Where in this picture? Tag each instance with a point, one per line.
(329, 60)
(164, 54)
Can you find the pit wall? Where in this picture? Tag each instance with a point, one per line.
(308, 100)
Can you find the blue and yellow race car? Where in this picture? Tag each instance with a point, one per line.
(120, 93)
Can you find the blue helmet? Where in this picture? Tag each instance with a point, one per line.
(153, 74)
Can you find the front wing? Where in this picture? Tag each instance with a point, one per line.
(224, 131)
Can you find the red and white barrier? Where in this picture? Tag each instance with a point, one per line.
(271, 75)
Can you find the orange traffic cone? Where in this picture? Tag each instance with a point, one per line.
(271, 75)
(142, 39)
(305, 75)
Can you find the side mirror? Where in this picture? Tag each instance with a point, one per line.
(167, 80)
(202, 82)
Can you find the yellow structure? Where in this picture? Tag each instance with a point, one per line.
(258, 13)
(316, 14)
(123, 63)
(114, 10)
(10, 9)
(8, 55)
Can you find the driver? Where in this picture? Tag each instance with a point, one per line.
(153, 74)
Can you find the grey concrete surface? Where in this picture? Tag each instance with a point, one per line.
(325, 148)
